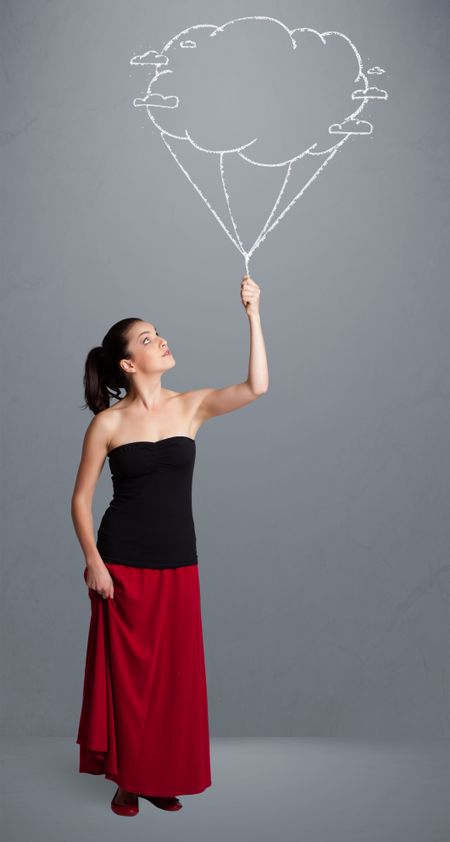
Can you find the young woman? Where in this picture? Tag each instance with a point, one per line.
(144, 714)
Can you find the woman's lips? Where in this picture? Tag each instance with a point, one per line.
(167, 353)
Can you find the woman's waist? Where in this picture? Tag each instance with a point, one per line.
(145, 520)
(142, 511)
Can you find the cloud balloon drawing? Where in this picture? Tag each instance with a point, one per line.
(252, 93)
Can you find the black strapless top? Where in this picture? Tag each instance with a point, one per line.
(149, 521)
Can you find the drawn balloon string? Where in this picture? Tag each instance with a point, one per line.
(288, 121)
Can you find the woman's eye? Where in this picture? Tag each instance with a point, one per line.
(148, 338)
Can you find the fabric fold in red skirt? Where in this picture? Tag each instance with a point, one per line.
(144, 714)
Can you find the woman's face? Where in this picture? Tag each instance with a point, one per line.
(149, 349)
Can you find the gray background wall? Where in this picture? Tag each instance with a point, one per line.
(322, 509)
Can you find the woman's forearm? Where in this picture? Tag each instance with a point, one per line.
(84, 527)
(258, 371)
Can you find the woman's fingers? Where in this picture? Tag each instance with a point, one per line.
(100, 581)
(250, 290)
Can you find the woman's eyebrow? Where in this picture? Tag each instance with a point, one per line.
(146, 331)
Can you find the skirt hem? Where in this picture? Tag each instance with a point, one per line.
(123, 785)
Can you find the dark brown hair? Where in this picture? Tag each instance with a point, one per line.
(103, 377)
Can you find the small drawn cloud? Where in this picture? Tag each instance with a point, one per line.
(377, 70)
(158, 100)
(150, 57)
(189, 44)
(351, 127)
(370, 93)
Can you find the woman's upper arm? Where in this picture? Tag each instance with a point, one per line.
(211, 402)
(93, 454)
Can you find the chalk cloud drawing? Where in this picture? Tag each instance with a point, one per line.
(253, 93)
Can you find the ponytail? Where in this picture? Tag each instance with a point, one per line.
(103, 376)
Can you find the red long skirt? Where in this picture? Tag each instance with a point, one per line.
(144, 715)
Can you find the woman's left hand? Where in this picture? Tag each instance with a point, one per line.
(250, 293)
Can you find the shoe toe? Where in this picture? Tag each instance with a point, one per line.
(124, 809)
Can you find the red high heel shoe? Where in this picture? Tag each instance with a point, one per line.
(164, 802)
(124, 809)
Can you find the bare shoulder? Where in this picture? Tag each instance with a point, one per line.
(94, 452)
(189, 412)
(192, 400)
(102, 427)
